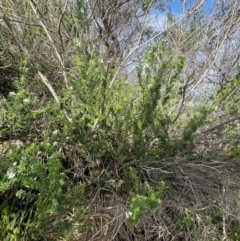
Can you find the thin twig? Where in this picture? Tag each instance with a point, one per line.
(222, 124)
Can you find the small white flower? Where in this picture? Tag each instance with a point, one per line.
(10, 174)
(12, 93)
(55, 143)
(26, 101)
(55, 132)
(128, 214)
(67, 138)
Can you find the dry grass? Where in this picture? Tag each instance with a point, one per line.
(199, 203)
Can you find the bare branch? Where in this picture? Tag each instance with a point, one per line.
(33, 6)
(222, 124)
(150, 40)
(59, 23)
(9, 27)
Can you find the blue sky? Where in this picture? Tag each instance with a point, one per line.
(175, 6)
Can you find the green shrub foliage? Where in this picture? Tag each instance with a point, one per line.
(114, 132)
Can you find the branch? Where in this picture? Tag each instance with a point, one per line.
(150, 40)
(222, 124)
(182, 103)
(59, 23)
(9, 27)
(33, 6)
(49, 86)
(215, 58)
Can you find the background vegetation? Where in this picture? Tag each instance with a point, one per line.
(119, 120)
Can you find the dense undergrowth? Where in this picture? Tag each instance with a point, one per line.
(98, 158)
(123, 155)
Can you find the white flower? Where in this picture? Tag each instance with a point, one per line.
(12, 93)
(128, 214)
(26, 101)
(67, 138)
(10, 174)
(55, 143)
(55, 132)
